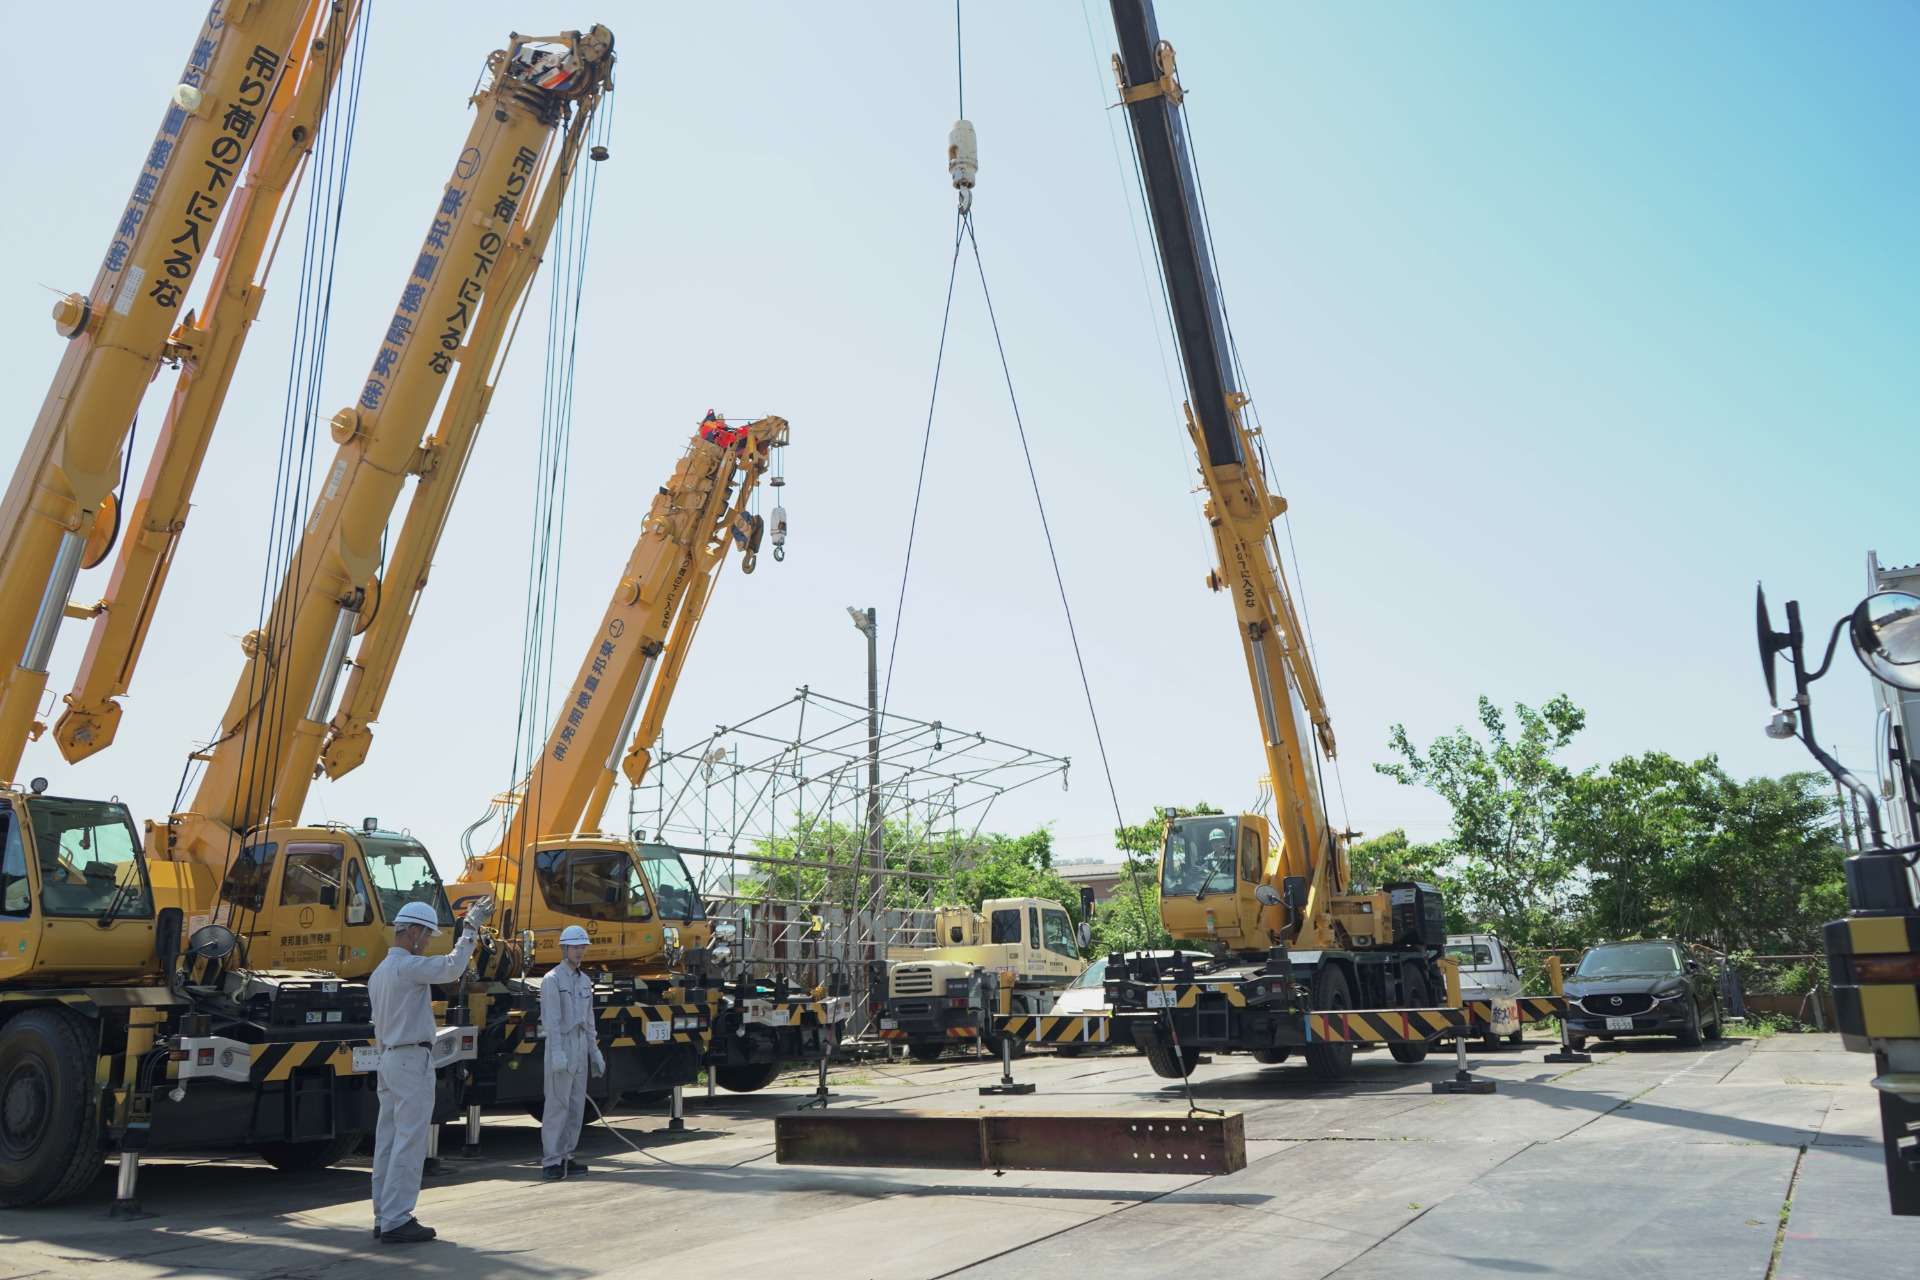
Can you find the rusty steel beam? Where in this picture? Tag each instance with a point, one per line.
(1062, 1141)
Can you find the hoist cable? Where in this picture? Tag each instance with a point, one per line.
(1033, 476)
(331, 160)
(920, 480)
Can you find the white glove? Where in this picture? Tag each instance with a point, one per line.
(556, 1056)
(599, 1061)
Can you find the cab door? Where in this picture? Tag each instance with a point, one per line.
(18, 937)
(364, 940)
(310, 912)
(1249, 874)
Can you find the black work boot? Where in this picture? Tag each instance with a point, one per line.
(408, 1232)
(575, 1168)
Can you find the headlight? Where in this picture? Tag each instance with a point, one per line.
(1670, 995)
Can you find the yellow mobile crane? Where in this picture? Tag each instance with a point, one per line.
(319, 897)
(662, 1014)
(239, 126)
(1274, 899)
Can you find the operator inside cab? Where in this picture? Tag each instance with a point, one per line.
(1192, 869)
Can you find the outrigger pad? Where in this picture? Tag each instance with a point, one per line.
(1060, 1141)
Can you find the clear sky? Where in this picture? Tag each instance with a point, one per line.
(1566, 323)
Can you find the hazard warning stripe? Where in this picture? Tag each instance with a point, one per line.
(278, 1061)
(1385, 1026)
(1059, 1029)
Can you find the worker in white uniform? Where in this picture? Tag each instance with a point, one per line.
(401, 990)
(567, 1027)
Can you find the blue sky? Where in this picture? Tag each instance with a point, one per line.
(1566, 325)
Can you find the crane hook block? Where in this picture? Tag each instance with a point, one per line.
(963, 160)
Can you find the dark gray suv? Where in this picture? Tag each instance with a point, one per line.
(1647, 988)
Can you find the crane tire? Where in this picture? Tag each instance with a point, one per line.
(49, 1108)
(748, 1077)
(311, 1157)
(1325, 1061)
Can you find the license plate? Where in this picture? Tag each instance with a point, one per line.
(1158, 998)
(658, 1032)
(889, 1024)
(1619, 1024)
(366, 1058)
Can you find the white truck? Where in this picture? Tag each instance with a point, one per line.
(1488, 972)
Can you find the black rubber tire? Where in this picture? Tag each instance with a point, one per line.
(1330, 993)
(1689, 1036)
(310, 1157)
(926, 1052)
(992, 1045)
(1715, 1031)
(49, 1108)
(1517, 1037)
(1414, 991)
(1171, 1066)
(1271, 1057)
(747, 1077)
(1068, 1050)
(1576, 1043)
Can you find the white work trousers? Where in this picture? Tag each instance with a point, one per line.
(400, 1142)
(567, 1061)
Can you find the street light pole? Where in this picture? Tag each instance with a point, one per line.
(874, 895)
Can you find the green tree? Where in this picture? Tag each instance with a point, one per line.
(1506, 867)
(1011, 867)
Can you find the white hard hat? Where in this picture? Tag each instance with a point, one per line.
(417, 913)
(574, 936)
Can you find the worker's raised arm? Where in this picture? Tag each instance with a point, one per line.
(429, 970)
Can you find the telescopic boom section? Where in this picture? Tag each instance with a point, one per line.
(59, 511)
(482, 247)
(637, 652)
(208, 349)
(1240, 506)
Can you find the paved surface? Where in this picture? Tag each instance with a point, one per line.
(1743, 1159)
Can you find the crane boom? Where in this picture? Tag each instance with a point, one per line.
(208, 349)
(1241, 507)
(59, 510)
(482, 248)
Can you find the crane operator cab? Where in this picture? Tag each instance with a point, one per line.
(1210, 868)
(76, 897)
(326, 897)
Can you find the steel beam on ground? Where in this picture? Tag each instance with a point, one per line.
(1060, 1141)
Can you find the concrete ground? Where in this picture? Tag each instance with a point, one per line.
(1755, 1158)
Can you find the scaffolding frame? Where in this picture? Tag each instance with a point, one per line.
(821, 829)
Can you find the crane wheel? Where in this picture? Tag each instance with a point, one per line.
(49, 1108)
(926, 1052)
(1270, 1057)
(1330, 994)
(1171, 1065)
(746, 1078)
(311, 1157)
(1414, 995)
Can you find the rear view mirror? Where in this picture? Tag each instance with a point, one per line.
(1885, 630)
(1265, 895)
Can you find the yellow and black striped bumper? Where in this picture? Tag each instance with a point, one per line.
(1061, 1029)
(1386, 1026)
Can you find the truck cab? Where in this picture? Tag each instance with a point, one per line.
(77, 900)
(1014, 955)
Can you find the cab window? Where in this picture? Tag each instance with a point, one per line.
(1059, 934)
(1033, 926)
(359, 905)
(1252, 857)
(593, 884)
(312, 877)
(16, 892)
(1006, 925)
(89, 860)
(246, 883)
(1092, 976)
